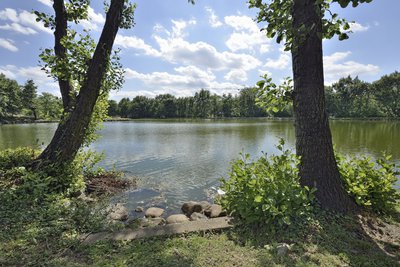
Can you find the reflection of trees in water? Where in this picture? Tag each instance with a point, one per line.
(371, 137)
(12, 136)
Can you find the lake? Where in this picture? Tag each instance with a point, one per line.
(180, 160)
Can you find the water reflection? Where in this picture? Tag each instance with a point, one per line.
(183, 159)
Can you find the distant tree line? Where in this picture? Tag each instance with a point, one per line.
(23, 102)
(202, 105)
(349, 97)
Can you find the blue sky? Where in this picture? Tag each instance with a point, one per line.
(179, 48)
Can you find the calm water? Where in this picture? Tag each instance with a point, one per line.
(183, 160)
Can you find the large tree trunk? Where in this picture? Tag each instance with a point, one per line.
(70, 133)
(318, 166)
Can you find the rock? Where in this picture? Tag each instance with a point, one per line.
(282, 249)
(205, 205)
(150, 222)
(197, 216)
(139, 209)
(177, 218)
(213, 211)
(118, 212)
(154, 212)
(189, 207)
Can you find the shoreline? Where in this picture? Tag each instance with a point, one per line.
(119, 119)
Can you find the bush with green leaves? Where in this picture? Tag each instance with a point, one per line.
(267, 191)
(372, 183)
(18, 157)
(67, 179)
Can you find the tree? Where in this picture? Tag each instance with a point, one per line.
(49, 107)
(112, 108)
(85, 73)
(301, 23)
(387, 91)
(10, 102)
(28, 97)
(202, 103)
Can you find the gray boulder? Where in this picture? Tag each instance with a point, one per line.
(118, 212)
(213, 211)
(154, 212)
(189, 207)
(282, 249)
(177, 218)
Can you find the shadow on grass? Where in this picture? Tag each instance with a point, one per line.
(146, 253)
(330, 240)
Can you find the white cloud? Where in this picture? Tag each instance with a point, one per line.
(247, 35)
(280, 64)
(178, 50)
(357, 27)
(179, 26)
(8, 44)
(184, 82)
(196, 61)
(212, 18)
(236, 76)
(46, 2)
(94, 21)
(335, 67)
(18, 28)
(28, 19)
(175, 49)
(24, 18)
(9, 14)
(136, 43)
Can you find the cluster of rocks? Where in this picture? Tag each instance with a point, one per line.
(191, 211)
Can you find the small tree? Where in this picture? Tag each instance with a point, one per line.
(28, 97)
(85, 73)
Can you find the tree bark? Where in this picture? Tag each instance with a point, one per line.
(318, 167)
(71, 132)
(60, 51)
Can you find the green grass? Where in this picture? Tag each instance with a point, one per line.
(37, 238)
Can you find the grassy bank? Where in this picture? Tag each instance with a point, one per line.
(327, 241)
(42, 227)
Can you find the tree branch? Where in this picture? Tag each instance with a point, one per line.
(60, 51)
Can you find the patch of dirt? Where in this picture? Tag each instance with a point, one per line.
(107, 184)
(386, 235)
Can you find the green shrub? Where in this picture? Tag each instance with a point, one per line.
(371, 183)
(67, 179)
(18, 157)
(267, 190)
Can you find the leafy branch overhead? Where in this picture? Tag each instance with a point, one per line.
(71, 62)
(274, 97)
(278, 15)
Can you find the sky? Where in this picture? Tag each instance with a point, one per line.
(179, 48)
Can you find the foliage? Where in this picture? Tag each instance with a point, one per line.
(351, 97)
(267, 191)
(19, 157)
(387, 92)
(372, 184)
(10, 102)
(278, 15)
(49, 107)
(68, 178)
(274, 97)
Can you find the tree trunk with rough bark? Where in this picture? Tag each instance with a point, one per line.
(71, 132)
(318, 167)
